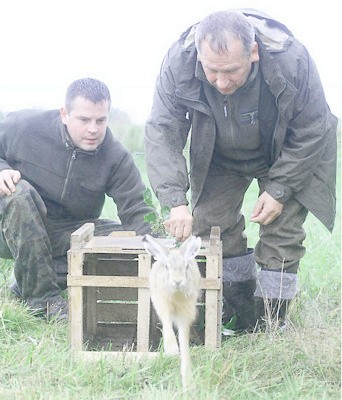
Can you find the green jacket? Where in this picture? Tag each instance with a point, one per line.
(72, 183)
(297, 128)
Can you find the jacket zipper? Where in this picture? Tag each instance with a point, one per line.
(228, 113)
(272, 155)
(225, 107)
(66, 182)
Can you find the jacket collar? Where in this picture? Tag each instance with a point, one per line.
(65, 136)
(275, 79)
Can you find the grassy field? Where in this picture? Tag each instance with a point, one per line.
(300, 363)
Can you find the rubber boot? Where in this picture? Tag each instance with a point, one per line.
(239, 304)
(273, 295)
(239, 283)
(271, 314)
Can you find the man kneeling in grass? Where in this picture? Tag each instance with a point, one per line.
(56, 167)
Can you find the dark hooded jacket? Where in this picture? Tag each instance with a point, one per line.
(297, 128)
(72, 182)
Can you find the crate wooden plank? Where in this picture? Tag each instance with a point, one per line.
(128, 281)
(89, 309)
(143, 318)
(211, 320)
(105, 281)
(219, 295)
(82, 235)
(115, 243)
(76, 303)
(214, 241)
(123, 233)
(90, 298)
(130, 245)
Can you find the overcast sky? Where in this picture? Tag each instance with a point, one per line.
(46, 44)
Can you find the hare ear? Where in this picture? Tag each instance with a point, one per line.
(155, 249)
(190, 248)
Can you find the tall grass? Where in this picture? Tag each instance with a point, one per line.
(300, 363)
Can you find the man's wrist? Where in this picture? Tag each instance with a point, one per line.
(278, 191)
(174, 199)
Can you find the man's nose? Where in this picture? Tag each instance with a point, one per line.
(92, 127)
(222, 81)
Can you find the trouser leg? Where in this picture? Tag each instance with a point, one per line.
(24, 238)
(220, 205)
(38, 244)
(278, 252)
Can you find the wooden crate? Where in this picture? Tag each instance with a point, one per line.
(110, 311)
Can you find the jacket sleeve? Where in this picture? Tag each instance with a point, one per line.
(4, 129)
(308, 124)
(165, 138)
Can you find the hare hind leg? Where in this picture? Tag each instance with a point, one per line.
(183, 335)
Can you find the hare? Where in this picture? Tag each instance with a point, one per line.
(175, 288)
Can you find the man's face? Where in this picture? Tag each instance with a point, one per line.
(229, 71)
(86, 122)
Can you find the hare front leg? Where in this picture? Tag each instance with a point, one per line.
(170, 341)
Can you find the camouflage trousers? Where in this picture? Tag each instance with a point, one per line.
(37, 244)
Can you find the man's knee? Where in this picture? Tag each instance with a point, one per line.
(22, 188)
(24, 197)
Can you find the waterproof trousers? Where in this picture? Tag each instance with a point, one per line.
(277, 252)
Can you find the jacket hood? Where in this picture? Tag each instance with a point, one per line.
(274, 35)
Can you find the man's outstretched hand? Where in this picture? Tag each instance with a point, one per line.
(179, 225)
(266, 209)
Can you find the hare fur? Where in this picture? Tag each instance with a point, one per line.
(175, 288)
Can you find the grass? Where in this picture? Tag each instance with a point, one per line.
(301, 363)
(36, 364)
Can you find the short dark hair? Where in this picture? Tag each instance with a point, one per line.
(88, 88)
(221, 27)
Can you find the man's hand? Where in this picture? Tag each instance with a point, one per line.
(8, 179)
(179, 224)
(266, 209)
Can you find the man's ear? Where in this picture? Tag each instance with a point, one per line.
(255, 53)
(64, 115)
